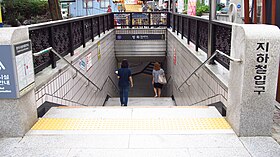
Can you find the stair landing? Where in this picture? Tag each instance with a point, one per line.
(142, 101)
(135, 131)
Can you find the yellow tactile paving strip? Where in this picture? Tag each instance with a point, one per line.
(131, 124)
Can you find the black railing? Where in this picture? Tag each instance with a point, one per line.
(196, 30)
(141, 19)
(65, 36)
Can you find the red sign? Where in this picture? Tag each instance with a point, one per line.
(174, 57)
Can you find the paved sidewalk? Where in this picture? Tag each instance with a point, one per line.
(153, 139)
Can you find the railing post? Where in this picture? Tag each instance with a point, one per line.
(52, 56)
(92, 32)
(196, 36)
(173, 22)
(189, 30)
(71, 39)
(149, 20)
(104, 24)
(211, 31)
(108, 23)
(113, 20)
(130, 20)
(182, 33)
(52, 59)
(212, 42)
(83, 33)
(178, 24)
(98, 24)
(168, 20)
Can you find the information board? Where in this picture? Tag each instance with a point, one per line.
(140, 37)
(7, 73)
(24, 64)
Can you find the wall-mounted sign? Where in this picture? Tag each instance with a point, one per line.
(192, 7)
(98, 51)
(16, 70)
(24, 62)
(140, 37)
(262, 57)
(67, 1)
(89, 61)
(83, 64)
(174, 57)
(8, 85)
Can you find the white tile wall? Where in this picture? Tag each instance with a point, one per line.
(64, 87)
(203, 90)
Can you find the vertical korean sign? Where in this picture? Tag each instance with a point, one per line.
(89, 61)
(192, 7)
(262, 57)
(8, 87)
(174, 57)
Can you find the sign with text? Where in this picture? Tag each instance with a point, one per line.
(89, 61)
(174, 57)
(192, 7)
(24, 63)
(262, 57)
(16, 70)
(140, 37)
(99, 50)
(131, 1)
(8, 87)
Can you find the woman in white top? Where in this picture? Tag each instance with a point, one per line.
(156, 72)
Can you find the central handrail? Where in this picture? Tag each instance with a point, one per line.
(211, 57)
(68, 63)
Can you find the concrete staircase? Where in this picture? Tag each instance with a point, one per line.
(149, 127)
(149, 69)
(142, 101)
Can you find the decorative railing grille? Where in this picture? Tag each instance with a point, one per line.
(66, 35)
(196, 30)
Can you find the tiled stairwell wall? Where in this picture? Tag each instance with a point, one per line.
(66, 88)
(208, 86)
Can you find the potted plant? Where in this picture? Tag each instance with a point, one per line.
(202, 9)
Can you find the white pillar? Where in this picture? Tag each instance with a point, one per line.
(18, 110)
(252, 84)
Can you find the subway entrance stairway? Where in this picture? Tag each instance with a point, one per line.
(150, 127)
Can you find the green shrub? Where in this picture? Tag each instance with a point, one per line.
(20, 10)
(202, 9)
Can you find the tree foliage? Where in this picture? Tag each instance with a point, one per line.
(15, 11)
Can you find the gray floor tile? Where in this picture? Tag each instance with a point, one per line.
(219, 152)
(261, 146)
(34, 152)
(88, 112)
(185, 141)
(129, 153)
(8, 142)
(76, 141)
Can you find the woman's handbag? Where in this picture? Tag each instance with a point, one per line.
(162, 79)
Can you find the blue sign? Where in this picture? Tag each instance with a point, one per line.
(8, 87)
(238, 6)
(140, 36)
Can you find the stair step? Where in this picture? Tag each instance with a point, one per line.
(142, 101)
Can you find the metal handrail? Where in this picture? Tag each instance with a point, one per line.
(211, 57)
(51, 49)
(111, 81)
(168, 79)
